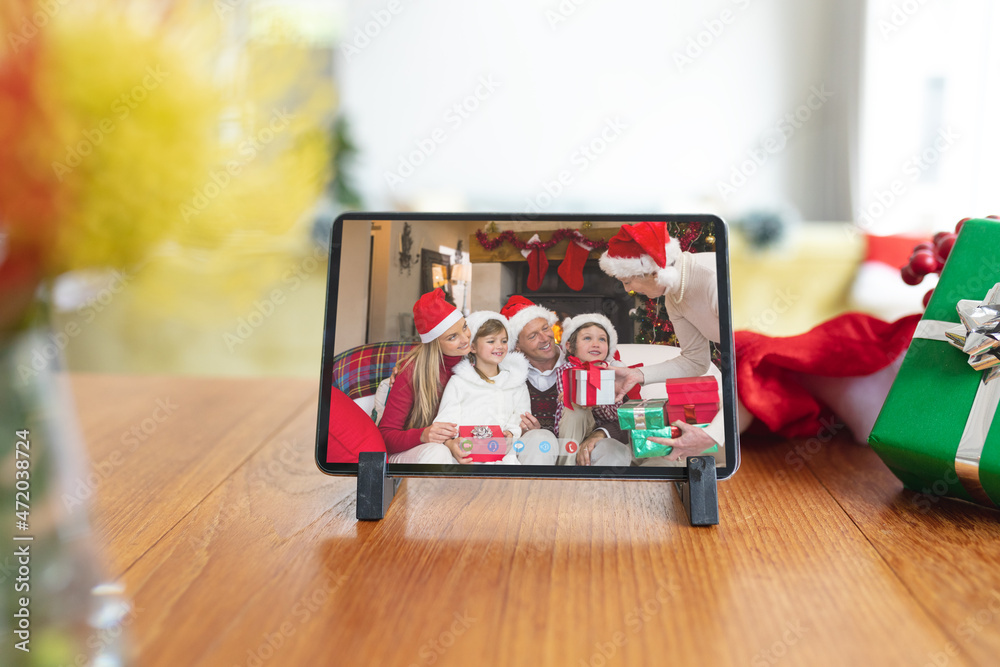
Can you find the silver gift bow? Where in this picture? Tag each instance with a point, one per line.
(979, 333)
(979, 337)
(481, 432)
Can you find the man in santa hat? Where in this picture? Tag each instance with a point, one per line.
(530, 333)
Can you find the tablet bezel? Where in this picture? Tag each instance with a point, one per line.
(726, 348)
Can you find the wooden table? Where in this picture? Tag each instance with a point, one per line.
(236, 550)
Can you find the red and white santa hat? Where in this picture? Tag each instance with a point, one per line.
(519, 311)
(481, 317)
(571, 324)
(432, 315)
(642, 249)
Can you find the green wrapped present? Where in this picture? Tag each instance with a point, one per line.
(642, 448)
(938, 429)
(642, 414)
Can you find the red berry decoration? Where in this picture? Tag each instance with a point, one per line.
(909, 276)
(943, 248)
(923, 262)
(929, 257)
(927, 297)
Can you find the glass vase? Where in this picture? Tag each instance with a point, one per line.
(54, 608)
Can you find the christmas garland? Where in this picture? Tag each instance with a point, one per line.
(559, 236)
(691, 233)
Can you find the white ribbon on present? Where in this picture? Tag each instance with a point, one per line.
(639, 413)
(984, 406)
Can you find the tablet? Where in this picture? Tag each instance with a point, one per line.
(586, 304)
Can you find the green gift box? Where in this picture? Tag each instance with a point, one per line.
(642, 448)
(938, 429)
(642, 414)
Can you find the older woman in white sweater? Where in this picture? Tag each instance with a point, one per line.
(648, 261)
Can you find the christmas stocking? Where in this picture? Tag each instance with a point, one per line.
(571, 269)
(538, 264)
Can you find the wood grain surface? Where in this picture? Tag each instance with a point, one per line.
(236, 550)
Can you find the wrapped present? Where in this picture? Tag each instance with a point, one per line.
(692, 413)
(642, 448)
(693, 400)
(684, 391)
(484, 443)
(953, 365)
(642, 414)
(588, 383)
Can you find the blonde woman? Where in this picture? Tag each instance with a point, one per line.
(411, 435)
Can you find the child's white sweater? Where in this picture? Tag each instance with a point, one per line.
(468, 400)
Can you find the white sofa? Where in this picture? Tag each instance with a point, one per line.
(634, 353)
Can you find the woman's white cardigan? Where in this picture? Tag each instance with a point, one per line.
(468, 400)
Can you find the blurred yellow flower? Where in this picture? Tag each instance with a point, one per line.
(167, 134)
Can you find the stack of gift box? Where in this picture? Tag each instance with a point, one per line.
(693, 400)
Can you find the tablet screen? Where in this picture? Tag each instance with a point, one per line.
(556, 346)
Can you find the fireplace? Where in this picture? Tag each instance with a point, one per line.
(600, 294)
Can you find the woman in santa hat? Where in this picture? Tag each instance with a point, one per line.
(646, 260)
(411, 435)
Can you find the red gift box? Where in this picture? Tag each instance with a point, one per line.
(694, 400)
(693, 390)
(484, 443)
(692, 413)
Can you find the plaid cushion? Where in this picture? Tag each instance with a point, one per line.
(357, 371)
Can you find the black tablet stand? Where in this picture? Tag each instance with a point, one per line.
(700, 492)
(375, 489)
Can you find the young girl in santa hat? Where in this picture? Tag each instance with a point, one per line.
(488, 387)
(586, 338)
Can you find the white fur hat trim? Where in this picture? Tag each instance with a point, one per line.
(520, 320)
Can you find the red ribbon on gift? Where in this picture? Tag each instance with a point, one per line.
(593, 369)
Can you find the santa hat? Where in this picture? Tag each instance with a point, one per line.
(432, 315)
(519, 311)
(641, 249)
(571, 324)
(481, 317)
